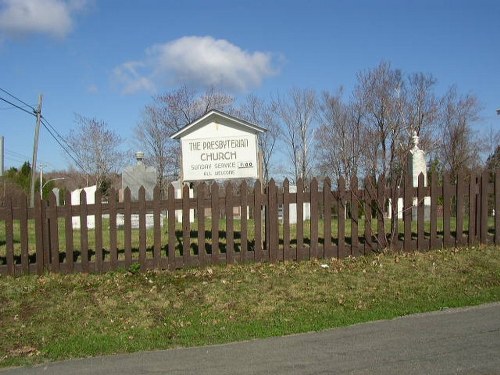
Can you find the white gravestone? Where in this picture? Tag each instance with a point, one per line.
(75, 201)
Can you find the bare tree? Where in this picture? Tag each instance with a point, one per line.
(339, 137)
(380, 94)
(459, 146)
(154, 138)
(297, 112)
(96, 149)
(169, 113)
(258, 112)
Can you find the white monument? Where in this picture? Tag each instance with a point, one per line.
(417, 165)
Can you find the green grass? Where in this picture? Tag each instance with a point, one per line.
(54, 317)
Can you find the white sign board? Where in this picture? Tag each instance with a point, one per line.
(220, 157)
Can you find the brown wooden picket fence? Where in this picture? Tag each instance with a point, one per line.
(237, 224)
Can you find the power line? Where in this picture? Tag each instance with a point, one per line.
(19, 100)
(55, 130)
(18, 107)
(62, 146)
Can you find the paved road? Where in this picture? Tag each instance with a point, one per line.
(454, 341)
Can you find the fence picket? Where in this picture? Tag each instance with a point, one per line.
(229, 224)
(186, 227)
(367, 208)
(472, 210)
(301, 251)
(99, 255)
(341, 211)
(157, 225)
(215, 223)
(23, 228)
(84, 233)
(68, 230)
(381, 235)
(272, 221)
(313, 190)
(113, 236)
(434, 199)
(171, 226)
(38, 217)
(142, 227)
(422, 243)
(244, 222)
(53, 225)
(407, 212)
(9, 237)
(485, 176)
(127, 226)
(200, 207)
(287, 251)
(459, 240)
(355, 251)
(257, 213)
(327, 219)
(497, 207)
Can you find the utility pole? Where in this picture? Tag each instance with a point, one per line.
(38, 114)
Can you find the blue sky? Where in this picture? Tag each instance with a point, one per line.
(107, 58)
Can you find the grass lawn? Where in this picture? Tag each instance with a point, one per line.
(54, 317)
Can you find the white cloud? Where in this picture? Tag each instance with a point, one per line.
(198, 61)
(52, 17)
